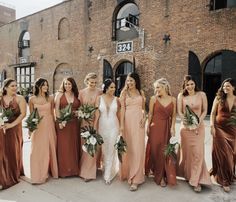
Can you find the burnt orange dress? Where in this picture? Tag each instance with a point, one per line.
(11, 163)
(159, 136)
(192, 165)
(223, 162)
(68, 143)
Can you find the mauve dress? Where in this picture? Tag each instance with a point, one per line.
(192, 165)
(132, 167)
(68, 143)
(223, 150)
(11, 143)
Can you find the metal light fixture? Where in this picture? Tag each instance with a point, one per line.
(126, 28)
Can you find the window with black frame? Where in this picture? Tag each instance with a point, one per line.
(220, 4)
(25, 77)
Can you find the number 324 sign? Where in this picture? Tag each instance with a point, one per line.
(126, 46)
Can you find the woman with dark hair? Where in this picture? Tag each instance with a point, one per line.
(161, 126)
(223, 132)
(43, 159)
(88, 95)
(107, 123)
(132, 126)
(192, 165)
(68, 136)
(11, 140)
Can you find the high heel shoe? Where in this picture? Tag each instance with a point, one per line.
(226, 189)
(133, 187)
(198, 188)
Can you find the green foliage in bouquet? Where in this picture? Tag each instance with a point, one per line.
(232, 119)
(6, 114)
(121, 147)
(171, 148)
(91, 140)
(191, 120)
(65, 114)
(33, 120)
(86, 112)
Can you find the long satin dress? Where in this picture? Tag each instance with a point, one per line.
(132, 168)
(223, 162)
(192, 165)
(159, 137)
(88, 167)
(43, 159)
(11, 164)
(68, 143)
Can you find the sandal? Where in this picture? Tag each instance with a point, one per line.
(226, 189)
(133, 187)
(198, 188)
(163, 183)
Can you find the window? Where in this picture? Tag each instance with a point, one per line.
(24, 47)
(214, 65)
(3, 76)
(25, 76)
(107, 70)
(130, 13)
(63, 29)
(219, 4)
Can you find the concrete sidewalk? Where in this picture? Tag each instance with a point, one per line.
(75, 189)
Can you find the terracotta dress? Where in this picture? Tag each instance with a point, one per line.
(88, 167)
(43, 159)
(223, 162)
(68, 143)
(159, 137)
(192, 165)
(132, 168)
(11, 166)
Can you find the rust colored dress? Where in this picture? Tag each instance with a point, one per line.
(43, 159)
(68, 143)
(159, 137)
(88, 164)
(132, 167)
(11, 143)
(192, 165)
(223, 162)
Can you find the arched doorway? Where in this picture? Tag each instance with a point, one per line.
(62, 71)
(122, 71)
(107, 70)
(220, 66)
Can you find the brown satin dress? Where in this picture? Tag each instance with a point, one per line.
(68, 143)
(11, 164)
(223, 162)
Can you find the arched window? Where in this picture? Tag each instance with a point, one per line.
(24, 46)
(125, 19)
(63, 29)
(107, 70)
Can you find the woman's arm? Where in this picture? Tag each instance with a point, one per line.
(173, 118)
(97, 114)
(22, 105)
(122, 111)
(204, 107)
(213, 115)
(57, 104)
(180, 106)
(150, 113)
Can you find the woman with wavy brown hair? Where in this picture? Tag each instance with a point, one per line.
(68, 135)
(223, 132)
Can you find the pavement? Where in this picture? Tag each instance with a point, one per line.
(74, 189)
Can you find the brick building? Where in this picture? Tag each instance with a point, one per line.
(156, 38)
(7, 14)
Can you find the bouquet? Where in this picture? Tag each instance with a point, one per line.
(191, 120)
(91, 140)
(5, 115)
(232, 119)
(86, 112)
(172, 148)
(65, 114)
(33, 120)
(120, 146)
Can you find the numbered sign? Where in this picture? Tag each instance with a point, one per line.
(123, 47)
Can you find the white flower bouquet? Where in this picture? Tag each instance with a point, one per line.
(191, 120)
(86, 112)
(91, 140)
(172, 148)
(5, 116)
(33, 120)
(65, 114)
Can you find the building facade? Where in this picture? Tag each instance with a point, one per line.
(7, 14)
(155, 38)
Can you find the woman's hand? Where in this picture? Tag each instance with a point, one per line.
(172, 132)
(213, 131)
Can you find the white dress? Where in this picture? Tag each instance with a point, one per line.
(108, 128)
